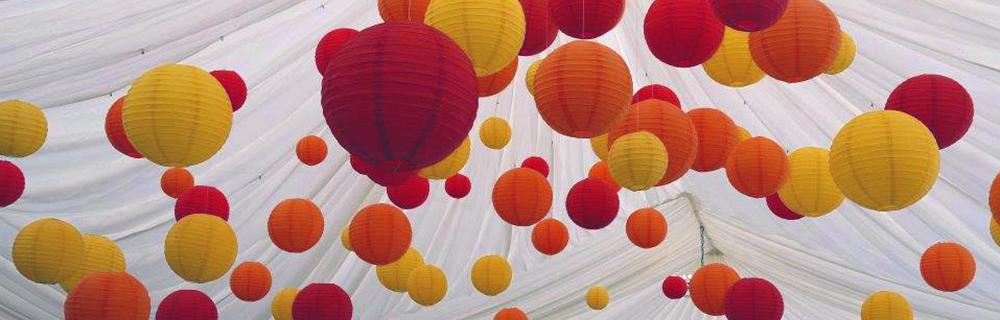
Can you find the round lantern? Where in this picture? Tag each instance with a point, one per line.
(810, 190)
(332, 42)
(884, 160)
(410, 194)
(48, 251)
(947, 266)
(717, 137)
(646, 228)
(886, 305)
(400, 121)
(656, 91)
(749, 15)
(426, 285)
(177, 115)
(175, 181)
(995, 231)
(582, 69)
(801, 45)
(779, 209)
(491, 84)
(23, 127)
(744, 134)
(201, 199)
(200, 248)
(470, 22)
(539, 31)
(994, 197)
(757, 167)
(450, 165)
(187, 305)
(235, 87)
(107, 295)
(380, 234)
(682, 33)
(674, 287)
(601, 172)
(674, 129)
(494, 133)
(529, 76)
(281, 305)
(709, 285)
(100, 254)
(345, 238)
(11, 183)
(358, 165)
(599, 145)
(388, 178)
(592, 204)
(942, 104)
(393, 276)
(458, 186)
(732, 64)
(510, 314)
(250, 281)
(754, 299)
(403, 10)
(491, 275)
(637, 160)
(549, 236)
(597, 297)
(586, 19)
(322, 301)
(845, 56)
(295, 225)
(522, 197)
(311, 150)
(537, 164)
(115, 131)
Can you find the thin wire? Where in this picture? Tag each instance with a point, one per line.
(702, 230)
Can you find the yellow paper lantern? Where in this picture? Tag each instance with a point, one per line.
(393, 276)
(200, 247)
(491, 275)
(810, 190)
(177, 115)
(451, 165)
(489, 31)
(281, 306)
(637, 160)
(744, 134)
(23, 128)
(995, 231)
(845, 57)
(427, 285)
(886, 305)
(884, 160)
(597, 297)
(48, 251)
(529, 76)
(600, 146)
(100, 254)
(732, 65)
(494, 133)
(345, 239)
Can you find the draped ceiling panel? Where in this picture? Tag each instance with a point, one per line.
(74, 58)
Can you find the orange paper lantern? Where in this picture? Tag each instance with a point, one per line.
(668, 123)
(175, 181)
(108, 296)
(994, 199)
(380, 234)
(601, 172)
(757, 167)
(311, 150)
(709, 285)
(295, 225)
(522, 196)
(717, 137)
(492, 84)
(646, 228)
(801, 45)
(550, 236)
(510, 314)
(115, 131)
(947, 266)
(250, 281)
(403, 10)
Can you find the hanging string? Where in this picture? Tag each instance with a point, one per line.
(702, 230)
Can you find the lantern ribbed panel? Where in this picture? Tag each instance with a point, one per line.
(682, 33)
(995, 231)
(281, 305)
(494, 133)
(409, 194)
(522, 196)
(491, 275)
(539, 30)
(311, 150)
(709, 285)
(810, 190)
(599, 145)
(250, 281)
(582, 89)
(332, 42)
(845, 56)
(744, 134)
(426, 285)
(380, 234)
(388, 178)
(754, 299)
(494, 83)
(23, 127)
(656, 91)
(100, 254)
(201, 199)
(115, 131)
(947, 266)
(11, 183)
(637, 160)
(510, 314)
(939, 102)
(536, 163)
(600, 171)
(884, 160)
(674, 287)
(236, 88)
(200, 248)
(586, 19)
(345, 238)
(757, 167)
(400, 96)
(187, 305)
(48, 251)
(403, 10)
(717, 137)
(107, 295)
(529, 76)
(671, 125)
(779, 209)
(801, 45)
(449, 165)
(749, 15)
(592, 204)
(458, 186)
(175, 181)
(549, 236)
(489, 31)
(732, 64)
(322, 301)
(393, 276)
(597, 297)
(177, 115)
(646, 228)
(886, 305)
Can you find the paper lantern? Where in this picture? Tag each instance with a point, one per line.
(410, 194)
(717, 137)
(177, 115)
(646, 228)
(311, 150)
(939, 102)
(674, 287)
(682, 33)
(539, 30)
(393, 276)
(754, 299)
(749, 15)
(582, 88)
(510, 314)
(187, 305)
(11, 183)
(757, 167)
(358, 165)
(549, 236)
(592, 204)
(845, 56)
(107, 295)
(947, 266)
(597, 297)
(671, 126)
(450, 165)
(656, 91)
(403, 10)
(586, 19)
(599, 145)
(458, 186)
(48, 251)
(250, 281)
(23, 127)
(100, 254)
(600, 171)
(491, 275)
(538, 164)
(709, 285)
(801, 45)
(886, 305)
(200, 248)
(115, 131)
(529, 76)
(333, 41)
(175, 181)
(400, 96)
(201, 199)
(426, 285)
(281, 305)
(489, 31)
(884, 160)
(491, 84)
(744, 134)
(295, 225)
(322, 301)
(235, 87)
(494, 133)
(732, 64)
(380, 234)
(637, 160)
(388, 178)
(345, 238)
(779, 209)
(810, 190)
(522, 197)
(994, 231)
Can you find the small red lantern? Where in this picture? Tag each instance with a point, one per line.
(388, 178)
(674, 287)
(754, 299)
(410, 194)
(656, 91)
(586, 19)
(592, 204)
(11, 183)
(322, 301)
(202, 199)
(330, 44)
(779, 209)
(682, 33)
(537, 164)
(187, 305)
(458, 186)
(235, 87)
(749, 15)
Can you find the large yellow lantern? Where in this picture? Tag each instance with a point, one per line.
(449, 165)
(48, 251)
(200, 247)
(489, 31)
(886, 305)
(494, 133)
(810, 190)
(100, 254)
(491, 275)
(393, 276)
(427, 285)
(732, 65)
(637, 160)
(23, 128)
(845, 57)
(281, 306)
(597, 298)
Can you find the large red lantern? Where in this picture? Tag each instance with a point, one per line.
(539, 30)
(388, 178)
(586, 19)
(322, 301)
(592, 204)
(458, 186)
(11, 183)
(682, 33)
(656, 91)
(409, 194)
(674, 287)
(359, 166)
(330, 44)
(779, 209)
(754, 299)
(235, 87)
(115, 131)
(401, 96)
(942, 104)
(749, 15)
(187, 305)
(202, 199)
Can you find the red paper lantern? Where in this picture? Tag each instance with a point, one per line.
(674, 287)
(202, 199)
(11, 183)
(311, 150)
(458, 186)
(380, 234)
(539, 31)
(388, 178)
(537, 164)
(656, 91)
(409, 194)
(942, 104)
(400, 96)
(187, 305)
(175, 181)
(749, 15)
(235, 87)
(592, 204)
(779, 209)
(359, 166)
(586, 19)
(330, 44)
(250, 281)
(682, 33)
(322, 301)
(522, 197)
(549, 236)
(754, 299)
(115, 131)
(107, 295)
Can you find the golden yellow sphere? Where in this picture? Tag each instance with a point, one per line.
(23, 128)
(732, 64)
(597, 298)
(491, 275)
(281, 306)
(494, 133)
(200, 247)
(637, 160)
(599, 145)
(450, 165)
(744, 134)
(345, 239)
(100, 254)
(810, 190)
(845, 57)
(529, 75)
(489, 31)
(393, 276)
(427, 285)
(48, 251)
(886, 305)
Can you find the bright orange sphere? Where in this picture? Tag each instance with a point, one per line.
(107, 296)
(380, 234)
(757, 167)
(510, 314)
(994, 199)
(947, 266)
(801, 45)
(250, 281)
(646, 228)
(522, 196)
(668, 123)
(175, 181)
(311, 150)
(717, 137)
(550, 236)
(601, 172)
(492, 84)
(295, 225)
(403, 10)
(709, 285)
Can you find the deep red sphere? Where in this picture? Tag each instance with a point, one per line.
(235, 87)
(322, 301)
(11, 183)
(674, 287)
(187, 305)
(779, 209)
(754, 299)
(387, 178)
(537, 164)
(410, 194)
(682, 33)
(942, 104)
(458, 186)
(749, 15)
(202, 199)
(592, 204)
(359, 166)
(656, 91)
(586, 19)
(332, 42)
(400, 96)
(539, 30)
